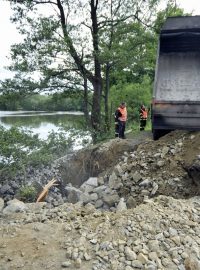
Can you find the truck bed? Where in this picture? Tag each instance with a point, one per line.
(176, 97)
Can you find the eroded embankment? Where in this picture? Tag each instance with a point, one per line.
(169, 166)
(97, 231)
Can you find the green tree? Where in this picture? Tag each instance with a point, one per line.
(134, 94)
(171, 10)
(68, 48)
(132, 79)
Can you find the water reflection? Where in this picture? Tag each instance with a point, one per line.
(41, 119)
(25, 113)
(42, 123)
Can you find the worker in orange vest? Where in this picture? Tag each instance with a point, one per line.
(120, 120)
(143, 117)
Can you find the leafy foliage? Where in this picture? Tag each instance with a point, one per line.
(170, 11)
(20, 149)
(64, 52)
(55, 102)
(27, 193)
(134, 94)
(110, 47)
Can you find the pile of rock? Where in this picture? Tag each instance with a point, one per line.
(152, 169)
(161, 234)
(119, 219)
(149, 171)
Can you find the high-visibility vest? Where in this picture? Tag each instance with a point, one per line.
(123, 112)
(144, 114)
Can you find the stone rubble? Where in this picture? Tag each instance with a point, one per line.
(142, 214)
(138, 176)
(161, 234)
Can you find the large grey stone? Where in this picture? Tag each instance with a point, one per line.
(1, 204)
(121, 205)
(73, 194)
(14, 206)
(111, 199)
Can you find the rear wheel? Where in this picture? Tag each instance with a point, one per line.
(157, 133)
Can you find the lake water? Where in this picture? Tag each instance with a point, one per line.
(42, 123)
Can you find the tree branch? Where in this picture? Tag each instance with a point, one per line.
(72, 50)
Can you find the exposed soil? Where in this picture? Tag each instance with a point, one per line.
(40, 238)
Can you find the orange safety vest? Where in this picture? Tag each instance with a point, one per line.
(123, 112)
(144, 114)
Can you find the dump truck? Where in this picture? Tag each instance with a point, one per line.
(176, 94)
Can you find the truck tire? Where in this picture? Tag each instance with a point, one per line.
(157, 133)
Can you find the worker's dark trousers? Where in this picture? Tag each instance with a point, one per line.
(122, 126)
(116, 129)
(143, 124)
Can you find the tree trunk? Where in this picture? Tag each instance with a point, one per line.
(107, 88)
(96, 109)
(97, 80)
(85, 103)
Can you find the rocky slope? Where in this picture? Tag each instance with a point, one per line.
(140, 213)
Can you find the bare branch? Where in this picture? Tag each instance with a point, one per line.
(42, 2)
(69, 42)
(87, 26)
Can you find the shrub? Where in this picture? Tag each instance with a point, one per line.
(27, 193)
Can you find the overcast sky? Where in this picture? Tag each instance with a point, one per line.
(9, 34)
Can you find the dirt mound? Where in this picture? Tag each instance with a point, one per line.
(189, 141)
(90, 162)
(160, 231)
(171, 158)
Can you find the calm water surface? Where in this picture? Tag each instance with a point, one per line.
(42, 123)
